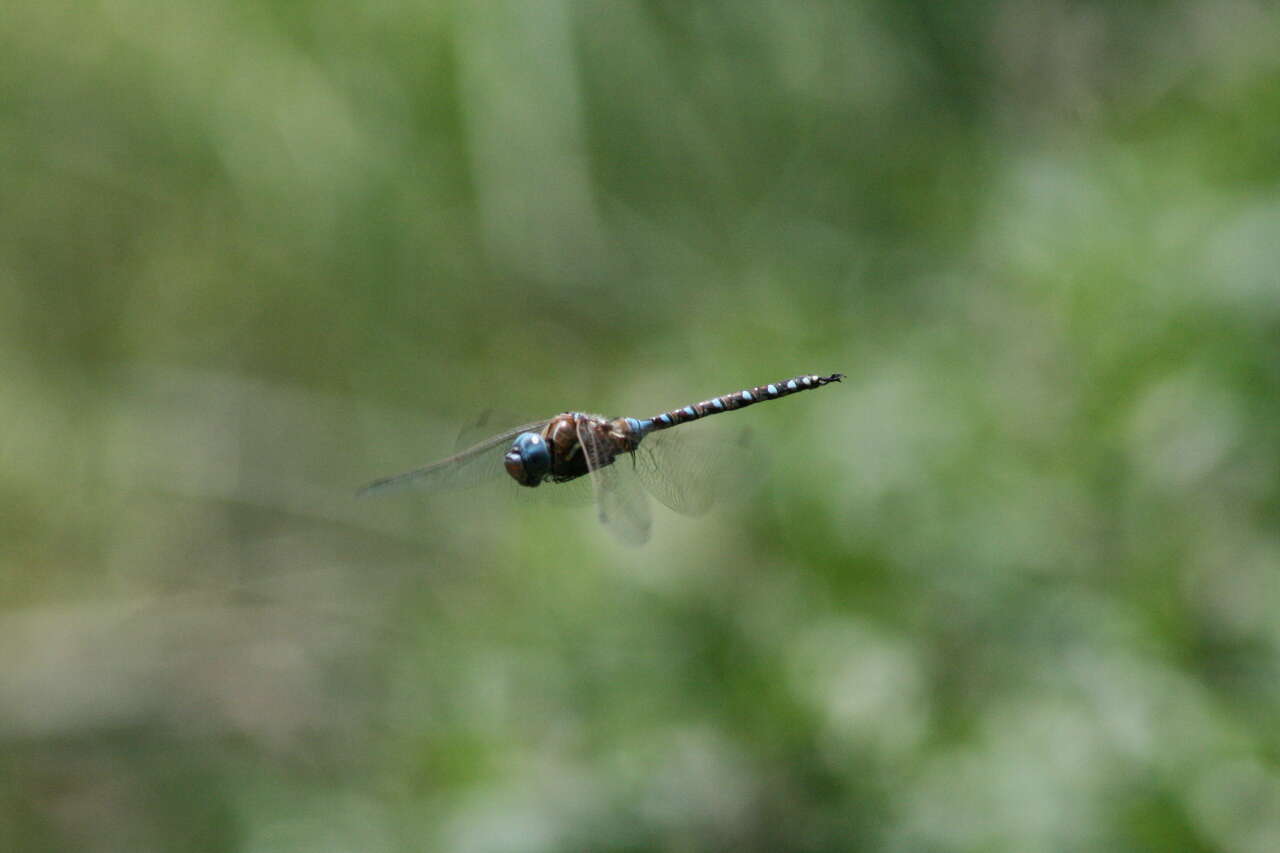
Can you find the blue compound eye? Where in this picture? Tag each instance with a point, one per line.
(529, 459)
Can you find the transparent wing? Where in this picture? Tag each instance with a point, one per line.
(572, 493)
(477, 464)
(619, 500)
(490, 422)
(690, 472)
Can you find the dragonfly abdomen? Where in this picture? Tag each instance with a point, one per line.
(737, 400)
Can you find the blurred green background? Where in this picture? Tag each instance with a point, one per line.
(1013, 586)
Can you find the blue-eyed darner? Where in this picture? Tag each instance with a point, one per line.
(568, 446)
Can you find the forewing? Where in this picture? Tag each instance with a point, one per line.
(477, 464)
(689, 472)
(620, 502)
(490, 422)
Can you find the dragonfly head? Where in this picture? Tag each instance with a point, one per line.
(529, 459)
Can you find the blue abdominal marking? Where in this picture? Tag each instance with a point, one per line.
(666, 419)
(688, 410)
(773, 390)
(791, 385)
(746, 397)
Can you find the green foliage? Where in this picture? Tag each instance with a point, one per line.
(1012, 586)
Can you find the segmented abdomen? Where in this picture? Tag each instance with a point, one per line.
(737, 400)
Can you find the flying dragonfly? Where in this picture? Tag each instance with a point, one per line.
(573, 445)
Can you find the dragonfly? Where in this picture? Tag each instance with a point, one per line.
(564, 449)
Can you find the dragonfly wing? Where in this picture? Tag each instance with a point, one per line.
(490, 422)
(619, 500)
(572, 493)
(476, 464)
(690, 472)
